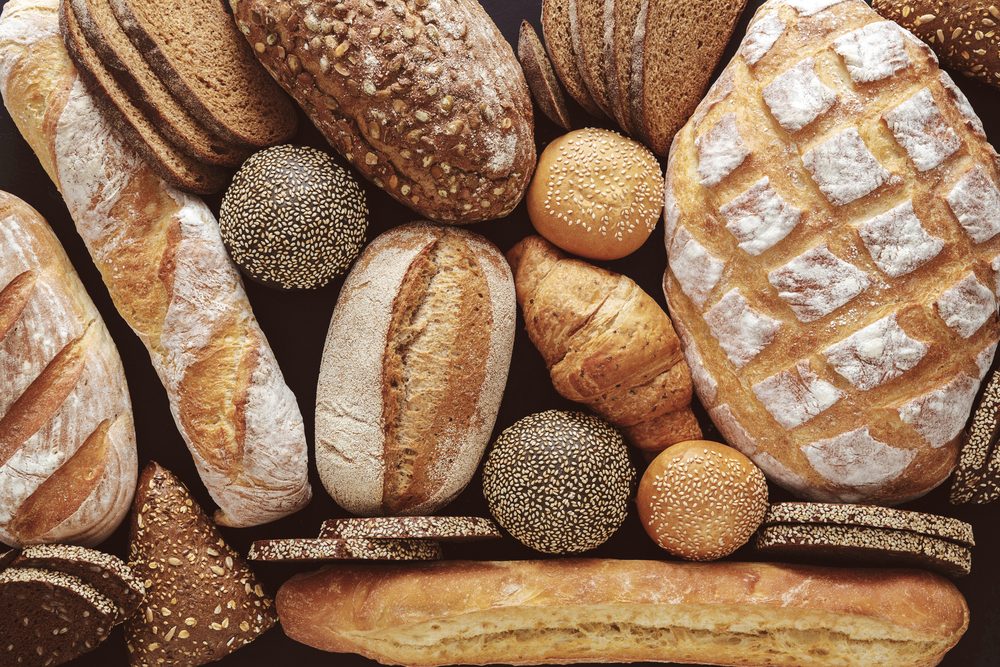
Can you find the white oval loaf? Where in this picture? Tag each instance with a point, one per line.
(67, 444)
(414, 368)
(832, 213)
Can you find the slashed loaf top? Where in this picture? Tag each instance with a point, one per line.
(832, 220)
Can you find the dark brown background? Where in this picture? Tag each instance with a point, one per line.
(296, 323)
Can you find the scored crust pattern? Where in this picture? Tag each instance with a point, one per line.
(832, 230)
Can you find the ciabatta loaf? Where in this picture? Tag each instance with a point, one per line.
(67, 445)
(413, 370)
(833, 234)
(600, 611)
(161, 256)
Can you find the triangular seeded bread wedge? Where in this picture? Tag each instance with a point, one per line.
(559, 42)
(198, 53)
(676, 48)
(586, 25)
(618, 35)
(124, 62)
(542, 80)
(170, 163)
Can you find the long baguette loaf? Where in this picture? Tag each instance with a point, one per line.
(601, 610)
(161, 256)
(67, 445)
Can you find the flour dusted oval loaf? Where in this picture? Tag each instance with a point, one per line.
(67, 444)
(424, 97)
(413, 370)
(832, 219)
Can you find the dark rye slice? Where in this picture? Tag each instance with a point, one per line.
(197, 52)
(124, 62)
(202, 601)
(864, 545)
(586, 29)
(49, 617)
(337, 549)
(137, 130)
(443, 528)
(676, 47)
(559, 42)
(106, 573)
(619, 32)
(977, 475)
(542, 80)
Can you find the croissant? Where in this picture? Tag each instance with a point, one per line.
(607, 344)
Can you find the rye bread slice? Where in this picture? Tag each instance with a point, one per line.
(145, 90)
(559, 41)
(202, 601)
(108, 574)
(541, 78)
(586, 26)
(318, 549)
(441, 528)
(138, 131)
(198, 53)
(49, 617)
(619, 32)
(675, 49)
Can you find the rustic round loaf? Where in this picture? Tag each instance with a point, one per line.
(832, 218)
(414, 367)
(425, 99)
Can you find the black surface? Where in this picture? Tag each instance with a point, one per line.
(296, 323)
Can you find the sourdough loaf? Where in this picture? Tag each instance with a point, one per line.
(67, 445)
(424, 97)
(600, 611)
(413, 370)
(161, 256)
(832, 213)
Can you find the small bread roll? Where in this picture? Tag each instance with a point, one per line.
(596, 194)
(700, 500)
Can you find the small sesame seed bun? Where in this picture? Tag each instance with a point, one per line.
(596, 194)
(700, 500)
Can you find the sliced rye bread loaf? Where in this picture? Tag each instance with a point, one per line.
(676, 48)
(49, 617)
(202, 601)
(586, 28)
(168, 161)
(542, 80)
(559, 42)
(196, 50)
(619, 32)
(108, 574)
(124, 62)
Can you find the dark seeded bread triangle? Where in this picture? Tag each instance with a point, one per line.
(559, 42)
(586, 21)
(139, 132)
(49, 618)
(676, 47)
(196, 50)
(124, 62)
(618, 35)
(542, 80)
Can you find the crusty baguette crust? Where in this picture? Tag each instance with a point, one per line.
(166, 268)
(600, 610)
(64, 402)
(404, 414)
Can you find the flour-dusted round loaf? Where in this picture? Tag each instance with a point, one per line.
(832, 220)
(413, 370)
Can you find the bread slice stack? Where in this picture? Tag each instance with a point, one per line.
(643, 63)
(179, 82)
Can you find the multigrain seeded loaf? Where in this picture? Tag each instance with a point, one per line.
(586, 27)
(833, 235)
(67, 444)
(413, 370)
(195, 49)
(144, 89)
(424, 97)
(559, 42)
(618, 35)
(676, 47)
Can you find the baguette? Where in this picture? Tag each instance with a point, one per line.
(161, 256)
(601, 610)
(67, 445)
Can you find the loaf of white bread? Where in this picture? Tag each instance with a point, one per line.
(832, 220)
(603, 610)
(161, 256)
(67, 444)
